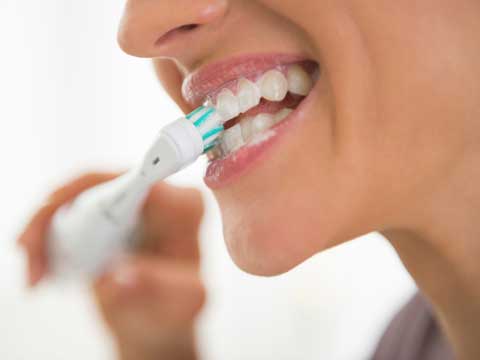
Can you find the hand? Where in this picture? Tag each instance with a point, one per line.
(150, 299)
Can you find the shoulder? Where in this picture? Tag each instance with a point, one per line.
(414, 334)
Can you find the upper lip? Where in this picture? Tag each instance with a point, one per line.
(210, 78)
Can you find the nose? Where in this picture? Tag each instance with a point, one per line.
(165, 28)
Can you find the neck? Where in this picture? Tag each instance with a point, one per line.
(442, 252)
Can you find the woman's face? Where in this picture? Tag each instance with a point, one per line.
(391, 118)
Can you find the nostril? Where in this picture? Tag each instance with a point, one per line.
(176, 32)
(188, 27)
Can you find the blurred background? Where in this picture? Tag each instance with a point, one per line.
(71, 101)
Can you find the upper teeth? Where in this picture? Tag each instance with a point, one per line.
(272, 86)
(227, 104)
(299, 82)
(248, 95)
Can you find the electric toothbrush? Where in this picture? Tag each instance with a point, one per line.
(86, 235)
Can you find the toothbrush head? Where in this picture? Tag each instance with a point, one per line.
(209, 123)
(181, 142)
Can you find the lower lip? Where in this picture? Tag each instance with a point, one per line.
(222, 172)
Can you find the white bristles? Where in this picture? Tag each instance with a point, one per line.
(214, 120)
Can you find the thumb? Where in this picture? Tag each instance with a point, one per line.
(171, 221)
(157, 293)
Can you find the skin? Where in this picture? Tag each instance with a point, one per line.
(391, 143)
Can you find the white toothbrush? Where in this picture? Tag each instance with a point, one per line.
(99, 225)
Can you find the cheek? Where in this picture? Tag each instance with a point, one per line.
(424, 63)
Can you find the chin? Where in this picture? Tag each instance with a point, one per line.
(270, 246)
(260, 250)
(265, 238)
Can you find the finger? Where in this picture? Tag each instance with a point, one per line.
(157, 292)
(171, 220)
(70, 190)
(58, 198)
(36, 225)
(34, 247)
(33, 237)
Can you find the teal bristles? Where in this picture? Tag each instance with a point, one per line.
(212, 132)
(195, 112)
(200, 118)
(204, 117)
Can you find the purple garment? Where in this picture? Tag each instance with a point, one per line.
(414, 334)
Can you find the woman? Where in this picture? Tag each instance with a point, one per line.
(387, 139)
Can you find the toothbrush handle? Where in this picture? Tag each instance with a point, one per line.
(97, 227)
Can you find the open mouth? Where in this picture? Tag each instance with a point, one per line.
(258, 104)
(258, 96)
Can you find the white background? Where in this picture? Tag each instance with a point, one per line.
(70, 101)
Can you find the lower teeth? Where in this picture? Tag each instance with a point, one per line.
(246, 131)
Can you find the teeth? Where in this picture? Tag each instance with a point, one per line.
(282, 114)
(247, 129)
(227, 105)
(248, 95)
(235, 137)
(262, 122)
(232, 139)
(259, 123)
(273, 85)
(299, 82)
(215, 153)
